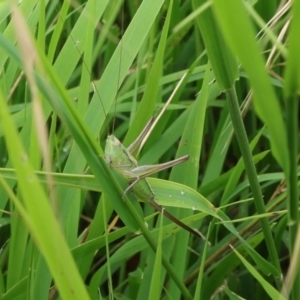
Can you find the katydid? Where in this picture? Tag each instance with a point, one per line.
(121, 159)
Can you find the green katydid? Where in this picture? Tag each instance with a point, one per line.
(121, 159)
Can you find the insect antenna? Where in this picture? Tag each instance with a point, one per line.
(81, 54)
(119, 71)
(85, 59)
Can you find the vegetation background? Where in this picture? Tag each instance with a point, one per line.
(73, 72)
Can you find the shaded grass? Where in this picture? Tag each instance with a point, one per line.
(81, 71)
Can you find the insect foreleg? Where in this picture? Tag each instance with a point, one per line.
(139, 185)
(132, 183)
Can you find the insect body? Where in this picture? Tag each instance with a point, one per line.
(121, 159)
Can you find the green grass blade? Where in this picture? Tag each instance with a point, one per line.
(146, 107)
(271, 291)
(221, 58)
(291, 90)
(41, 221)
(238, 32)
(155, 286)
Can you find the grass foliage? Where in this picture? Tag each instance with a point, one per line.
(73, 72)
